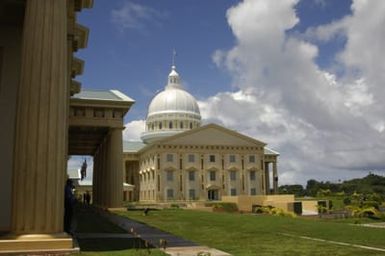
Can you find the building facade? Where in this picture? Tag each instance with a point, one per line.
(45, 118)
(180, 160)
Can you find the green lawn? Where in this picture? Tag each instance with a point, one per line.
(262, 235)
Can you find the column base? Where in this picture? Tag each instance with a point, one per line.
(52, 244)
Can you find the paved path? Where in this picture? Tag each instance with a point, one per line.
(335, 242)
(373, 225)
(176, 246)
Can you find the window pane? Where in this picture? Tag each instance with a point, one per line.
(170, 194)
(170, 176)
(212, 175)
(232, 158)
(253, 191)
(191, 193)
(252, 175)
(252, 159)
(233, 175)
(191, 158)
(233, 192)
(212, 158)
(170, 157)
(191, 175)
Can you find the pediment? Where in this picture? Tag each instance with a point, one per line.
(212, 134)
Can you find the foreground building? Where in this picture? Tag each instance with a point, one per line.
(45, 119)
(178, 159)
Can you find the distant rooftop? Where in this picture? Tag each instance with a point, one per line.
(108, 95)
(269, 151)
(74, 174)
(132, 146)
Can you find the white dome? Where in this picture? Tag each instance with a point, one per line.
(173, 100)
(171, 111)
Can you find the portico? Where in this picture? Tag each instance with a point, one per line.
(95, 129)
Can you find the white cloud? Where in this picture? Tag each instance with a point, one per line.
(325, 126)
(135, 16)
(133, 130)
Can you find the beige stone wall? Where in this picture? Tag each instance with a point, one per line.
(310, 205)
(152, 189)
(245, 203)
(10, 54)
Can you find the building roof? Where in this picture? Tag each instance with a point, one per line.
(108, 95)
(132, 146)
(74, 174)
(269, 151)
(210, 134)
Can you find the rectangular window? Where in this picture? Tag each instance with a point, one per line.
(233, 175)
(253, 191)
(252, 175)
(212, 175)
(232, 158)
(170, 176)
(212, 159)
(191, 175)
(170, 193)
(252, 159)
(233, 191)
(170, 158)
(191, 194)
(191, 158)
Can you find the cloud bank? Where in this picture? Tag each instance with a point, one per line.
(326, 124)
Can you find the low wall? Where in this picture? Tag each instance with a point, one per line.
(310, 206)
(245, 203)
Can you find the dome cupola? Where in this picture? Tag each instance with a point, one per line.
(171, 111)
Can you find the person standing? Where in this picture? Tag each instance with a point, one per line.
(69, 201)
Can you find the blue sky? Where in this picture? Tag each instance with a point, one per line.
(136, 59)
(298, 75)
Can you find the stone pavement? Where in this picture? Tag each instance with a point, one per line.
(373, 225)
(176, 246)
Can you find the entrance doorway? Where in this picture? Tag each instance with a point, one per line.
(213, 194)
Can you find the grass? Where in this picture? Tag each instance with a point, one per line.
(262, 235)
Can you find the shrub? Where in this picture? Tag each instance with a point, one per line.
(226, 207)
(347, 201)
(273, 211)
(374, 204)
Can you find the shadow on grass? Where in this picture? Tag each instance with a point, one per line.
(111, 244)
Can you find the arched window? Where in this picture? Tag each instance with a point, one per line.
(170, 125)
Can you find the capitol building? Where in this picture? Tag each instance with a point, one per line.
(179, 159)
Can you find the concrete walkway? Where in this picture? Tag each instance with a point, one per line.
(176, 246)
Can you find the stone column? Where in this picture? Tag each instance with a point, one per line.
(267, 178)
(275, 178)
(95, 180)
(114, 176)
(103, 171)
(39, 169)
